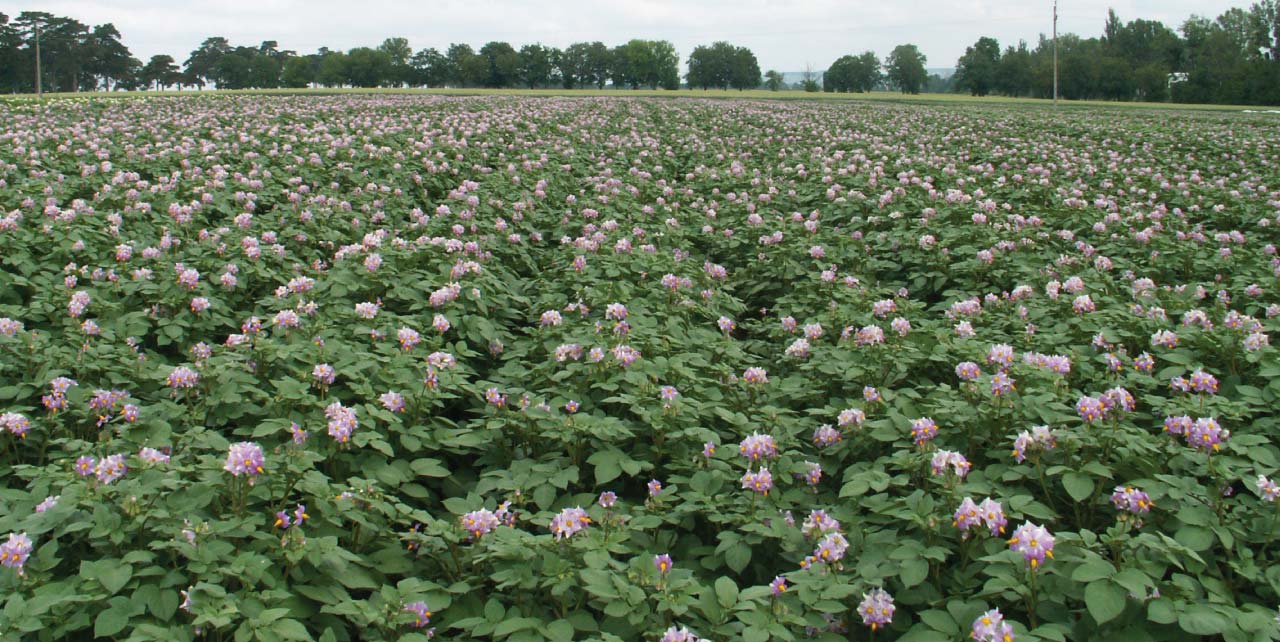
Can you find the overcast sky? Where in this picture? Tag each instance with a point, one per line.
(784, 34)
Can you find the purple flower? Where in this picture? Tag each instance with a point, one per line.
(324, 374)
(757, 446)
(1000, 356)
(14, 553)
(607, 499)
(183, 377)
(825, 435)
(479, 522)
(944, 458)
(1130, 499)
(421, 614)
(814, 473)
(968, 371)
(923, 430)
(392, 401)
(755, 376)
(993, 516)
(569, 521)
(991, 627)
(625, 354)
(1040, 438)
(244, 458)
(153, 456)
(1269, 490)
(870, 394)
(1090, 409)
(760, 482)
(408, 338)
(1035, 543)
(85, 466)
(876, 608)
(851, 416)
(342, 422)
(1205, 434)
(709, 449)
(681, 634)
(1118, 398)
(662, 563)
(966, 516)
(1164, 338)
(831, 549)
(655, 487)
(1202, 381)
(1002, 384)
(778, 586)
(1178, 425)
(818, 522)
(49, 502)
(110, 468)
(15, 423)
(668, 394)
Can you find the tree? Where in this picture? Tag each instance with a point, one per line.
(399, 51)
(299, 72)
(109, 60)
(161, 72)
(978, 68)
(904, 68)
(430, 68)
(460, 56)
(203, 62)
(722, 65)
(536, 65)
(599, 63)
(859, 73)
(1014, 74)
(744, 70)
(503, 64)
(367, 67)
(773, 80)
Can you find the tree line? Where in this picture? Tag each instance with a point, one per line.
(1234, 58)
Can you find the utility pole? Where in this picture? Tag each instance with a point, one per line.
(1055, 53)
(39, 93)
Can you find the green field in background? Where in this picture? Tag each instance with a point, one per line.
(878, 96)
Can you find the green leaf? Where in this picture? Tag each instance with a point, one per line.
(940, 621)
(560, 631)
(1195, 538)
(607, 465)
(1198, 619)
(726, 592)
(913, 572)
(290, 629)
(1092, 571)
(507, 627)
(1104, 600)
(1160, 611)
(1079, 487)
(110, 622)
(429, 468)
(738, 556)
(114, 574)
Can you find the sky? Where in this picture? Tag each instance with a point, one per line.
(787, 35)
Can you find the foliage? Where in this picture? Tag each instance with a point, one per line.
(365, 367)
(904, 69)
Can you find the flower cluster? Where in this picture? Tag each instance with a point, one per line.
(989, 513)
(569, 522)
(1033, 542)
